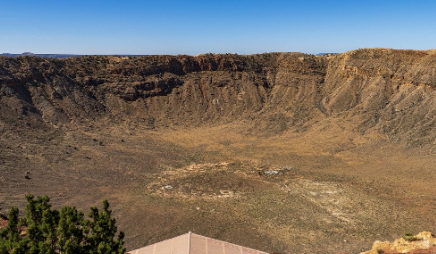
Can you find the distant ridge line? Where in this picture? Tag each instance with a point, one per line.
(73, 55)
(55, 55)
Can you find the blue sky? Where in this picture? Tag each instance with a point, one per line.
(206, 26)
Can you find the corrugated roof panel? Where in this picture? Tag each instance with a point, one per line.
(163, 247)
(214, 246)
(250, 251)
(232, 248)
(198, 245)
(176, 245)
(180, 244)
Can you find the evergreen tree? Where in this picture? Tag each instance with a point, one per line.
(41, 224)
(102, 231)
(10, 241)
(50, 231)
(70, 231)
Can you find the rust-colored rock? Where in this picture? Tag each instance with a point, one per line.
(3, 221)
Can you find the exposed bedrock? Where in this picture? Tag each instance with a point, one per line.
(391, 92)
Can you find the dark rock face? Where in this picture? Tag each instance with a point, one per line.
(389, 91)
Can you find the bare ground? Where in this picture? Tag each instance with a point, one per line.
(280, 152)
(291, 193)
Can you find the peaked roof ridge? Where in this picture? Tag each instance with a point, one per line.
(192, 243)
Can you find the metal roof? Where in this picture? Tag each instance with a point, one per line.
(191, 243)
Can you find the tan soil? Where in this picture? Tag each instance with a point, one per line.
(351, 137)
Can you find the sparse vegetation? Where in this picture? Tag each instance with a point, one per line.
(409, 237)
(359, 145)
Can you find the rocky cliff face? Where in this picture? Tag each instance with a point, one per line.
(80, 129)
(391, 92)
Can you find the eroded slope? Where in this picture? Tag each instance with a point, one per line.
(182, 143)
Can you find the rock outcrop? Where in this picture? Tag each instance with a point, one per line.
(424, 242)
(391, 92)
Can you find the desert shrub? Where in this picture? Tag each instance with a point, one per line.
(409, 237)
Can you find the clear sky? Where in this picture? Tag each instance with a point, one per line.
(212, 26)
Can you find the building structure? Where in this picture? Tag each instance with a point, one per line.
(191, 243)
